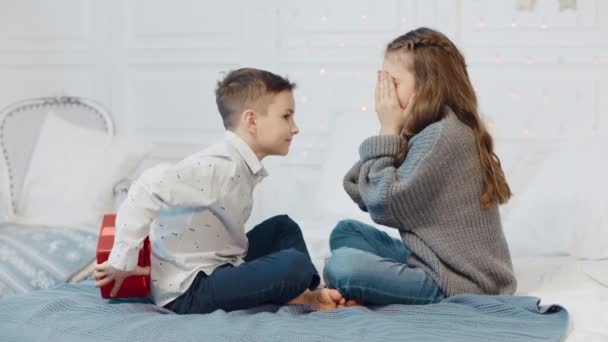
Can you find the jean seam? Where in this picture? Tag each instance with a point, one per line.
(389, 294)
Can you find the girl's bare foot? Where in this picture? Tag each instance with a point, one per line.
(321, 299)
(352, 302)
(326, 299)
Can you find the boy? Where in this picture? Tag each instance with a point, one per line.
(202, 260)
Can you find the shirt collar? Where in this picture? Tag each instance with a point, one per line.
(246, 153)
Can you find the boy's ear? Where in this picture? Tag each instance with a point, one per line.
(249, 119)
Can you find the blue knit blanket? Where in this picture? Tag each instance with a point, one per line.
(75, 312)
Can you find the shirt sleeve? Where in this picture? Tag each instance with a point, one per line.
(193, 183)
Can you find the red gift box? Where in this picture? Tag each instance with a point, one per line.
(133, 286)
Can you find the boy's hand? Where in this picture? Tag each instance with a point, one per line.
(391, 115)
(105, 274)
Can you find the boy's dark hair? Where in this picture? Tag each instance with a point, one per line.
(246, 87)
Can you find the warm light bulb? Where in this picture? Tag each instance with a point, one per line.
(364, 108)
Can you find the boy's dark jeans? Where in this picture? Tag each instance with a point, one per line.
(277, 269)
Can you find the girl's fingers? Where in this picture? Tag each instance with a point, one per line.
(387, 84)
(391, 87)
(412, 98)
(410, 102)
(379, 86)
(377, 93)
(410, 105)
(390, 91)
(384, 86)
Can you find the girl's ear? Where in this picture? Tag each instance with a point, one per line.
(250, 120)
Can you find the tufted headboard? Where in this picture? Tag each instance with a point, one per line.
(20, 125)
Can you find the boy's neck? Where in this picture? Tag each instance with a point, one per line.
(249, 140)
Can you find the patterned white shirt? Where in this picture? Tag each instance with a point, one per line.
(194, 213)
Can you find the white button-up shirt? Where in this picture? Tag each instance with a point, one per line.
(194, 213)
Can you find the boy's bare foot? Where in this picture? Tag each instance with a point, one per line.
(321, 299)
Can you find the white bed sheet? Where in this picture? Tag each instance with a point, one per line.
(581, 286)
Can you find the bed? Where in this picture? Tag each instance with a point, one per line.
(579, 285)
(48, 234)
(59, 170)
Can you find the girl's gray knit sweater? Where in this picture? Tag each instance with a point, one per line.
(433, 199)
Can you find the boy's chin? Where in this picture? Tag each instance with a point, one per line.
(281, 152)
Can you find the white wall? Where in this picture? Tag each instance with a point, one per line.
(541, 75)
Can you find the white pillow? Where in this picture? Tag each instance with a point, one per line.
(71, 174)
(563, 208)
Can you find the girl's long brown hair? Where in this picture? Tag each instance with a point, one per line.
(442, 80)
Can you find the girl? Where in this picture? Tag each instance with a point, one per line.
(431, 173)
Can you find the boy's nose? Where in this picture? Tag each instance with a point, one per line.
(295, 129)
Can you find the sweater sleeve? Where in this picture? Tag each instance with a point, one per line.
(351, 185)
(382, 185)
(378, 175)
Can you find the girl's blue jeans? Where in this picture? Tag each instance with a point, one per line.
(371, 267)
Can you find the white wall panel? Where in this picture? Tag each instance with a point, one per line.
(540, 75)
(44, 25)
(172, 102)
